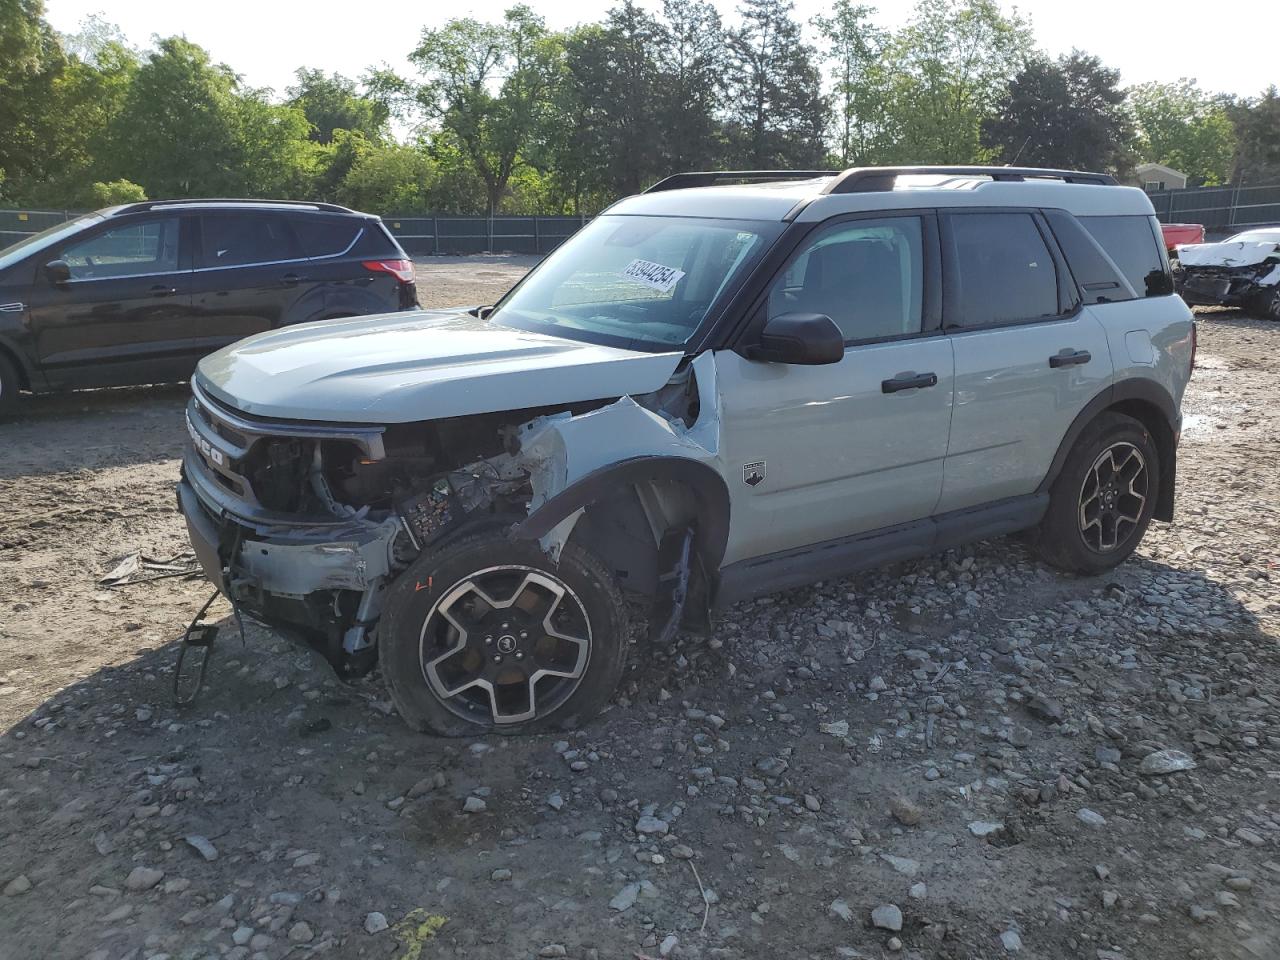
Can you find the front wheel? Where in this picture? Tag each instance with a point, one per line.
(1101, 503)
(1266, 305)
(489, 635)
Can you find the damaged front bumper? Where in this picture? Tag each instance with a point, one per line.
(1227, 286)
(323, 576)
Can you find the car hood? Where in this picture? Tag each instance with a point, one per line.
(402, 367)
(1239, 253)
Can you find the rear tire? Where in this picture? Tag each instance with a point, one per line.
(9, 386)
(1101, 503)
(546, 654)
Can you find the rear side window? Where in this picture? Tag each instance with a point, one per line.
(1099, 278)
(376, 241)
(326, 236)
(866, 275)
(1131, 242)
(243, 239)
(1005, 271)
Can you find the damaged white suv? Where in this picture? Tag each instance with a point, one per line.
(730, 385)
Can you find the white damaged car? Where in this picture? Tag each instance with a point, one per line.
(1242, 271)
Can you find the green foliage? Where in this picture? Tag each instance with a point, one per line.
(1068, 113)
(949, 67)
(776, 113)
(331, 102)
(109, 194)
(1257, 128)
(511, 117)
(854, 50)
(1183, 127)
(30, 62)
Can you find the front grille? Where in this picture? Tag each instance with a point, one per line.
(229, 449)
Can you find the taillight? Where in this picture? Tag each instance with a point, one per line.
(402, 270)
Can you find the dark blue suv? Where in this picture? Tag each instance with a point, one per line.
(138, 293)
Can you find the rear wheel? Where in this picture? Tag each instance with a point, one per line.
(1101, 503)
(487, 635)
(9, 386)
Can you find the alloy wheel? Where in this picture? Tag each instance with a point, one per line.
(1113, 497)
(505, 645)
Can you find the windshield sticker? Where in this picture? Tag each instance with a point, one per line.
(653, 275)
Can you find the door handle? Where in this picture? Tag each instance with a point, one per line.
(1067, 357)
(160, 290)
(291, 279)
(909, 381)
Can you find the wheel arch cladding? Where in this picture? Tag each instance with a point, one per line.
(1151, 405)
(18, 361)
(608, 496)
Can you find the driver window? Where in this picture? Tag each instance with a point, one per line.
(136, 249)
(866, 275)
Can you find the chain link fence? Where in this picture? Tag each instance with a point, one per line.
(1220, 209)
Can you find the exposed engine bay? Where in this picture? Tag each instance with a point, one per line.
(1235, 273)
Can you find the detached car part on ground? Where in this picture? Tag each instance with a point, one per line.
(709, 393)
(1243, 271)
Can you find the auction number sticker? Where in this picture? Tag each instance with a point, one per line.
(653, 275)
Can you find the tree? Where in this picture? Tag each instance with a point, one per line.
(331, 102)
(1183, 127)
(388, 178)
(30, 62)
(1257, 131)
(854, 50)
(776, 115)
(1068, 113)
(691, 86)
(950, 65)
(487, 85)
(204, 133)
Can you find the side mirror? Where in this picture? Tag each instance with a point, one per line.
(58, 271)
(800, 338)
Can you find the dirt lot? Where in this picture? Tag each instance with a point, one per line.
(957, 744)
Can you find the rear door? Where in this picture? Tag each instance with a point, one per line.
(815, 453)
(124, 315)
(1028, 357)
(250, 271)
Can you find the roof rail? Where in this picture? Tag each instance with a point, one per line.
(707, 178)
(231, 201)
(874, 179)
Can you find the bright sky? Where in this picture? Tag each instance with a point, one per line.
(1224, 48)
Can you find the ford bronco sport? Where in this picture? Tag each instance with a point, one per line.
(732, 384)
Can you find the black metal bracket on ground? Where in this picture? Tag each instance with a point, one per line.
(674, 556)
(197, 636)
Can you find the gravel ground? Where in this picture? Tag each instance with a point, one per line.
(950, 758)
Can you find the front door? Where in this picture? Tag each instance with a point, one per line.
(124, 313)
(815, 453)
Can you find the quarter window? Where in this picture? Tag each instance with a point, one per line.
(1006, 273)
(131, 250)
(238, 240)
(1131, 242)
(866, 275)
(326, 236)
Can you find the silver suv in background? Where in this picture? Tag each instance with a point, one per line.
(729, 385)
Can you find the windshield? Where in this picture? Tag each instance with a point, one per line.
(45, 238)
(640, 282)
(1257, 236)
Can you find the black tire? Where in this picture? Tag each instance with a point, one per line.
(424, 654)
(1266, 306)
(9, 386)
(1094, 523)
